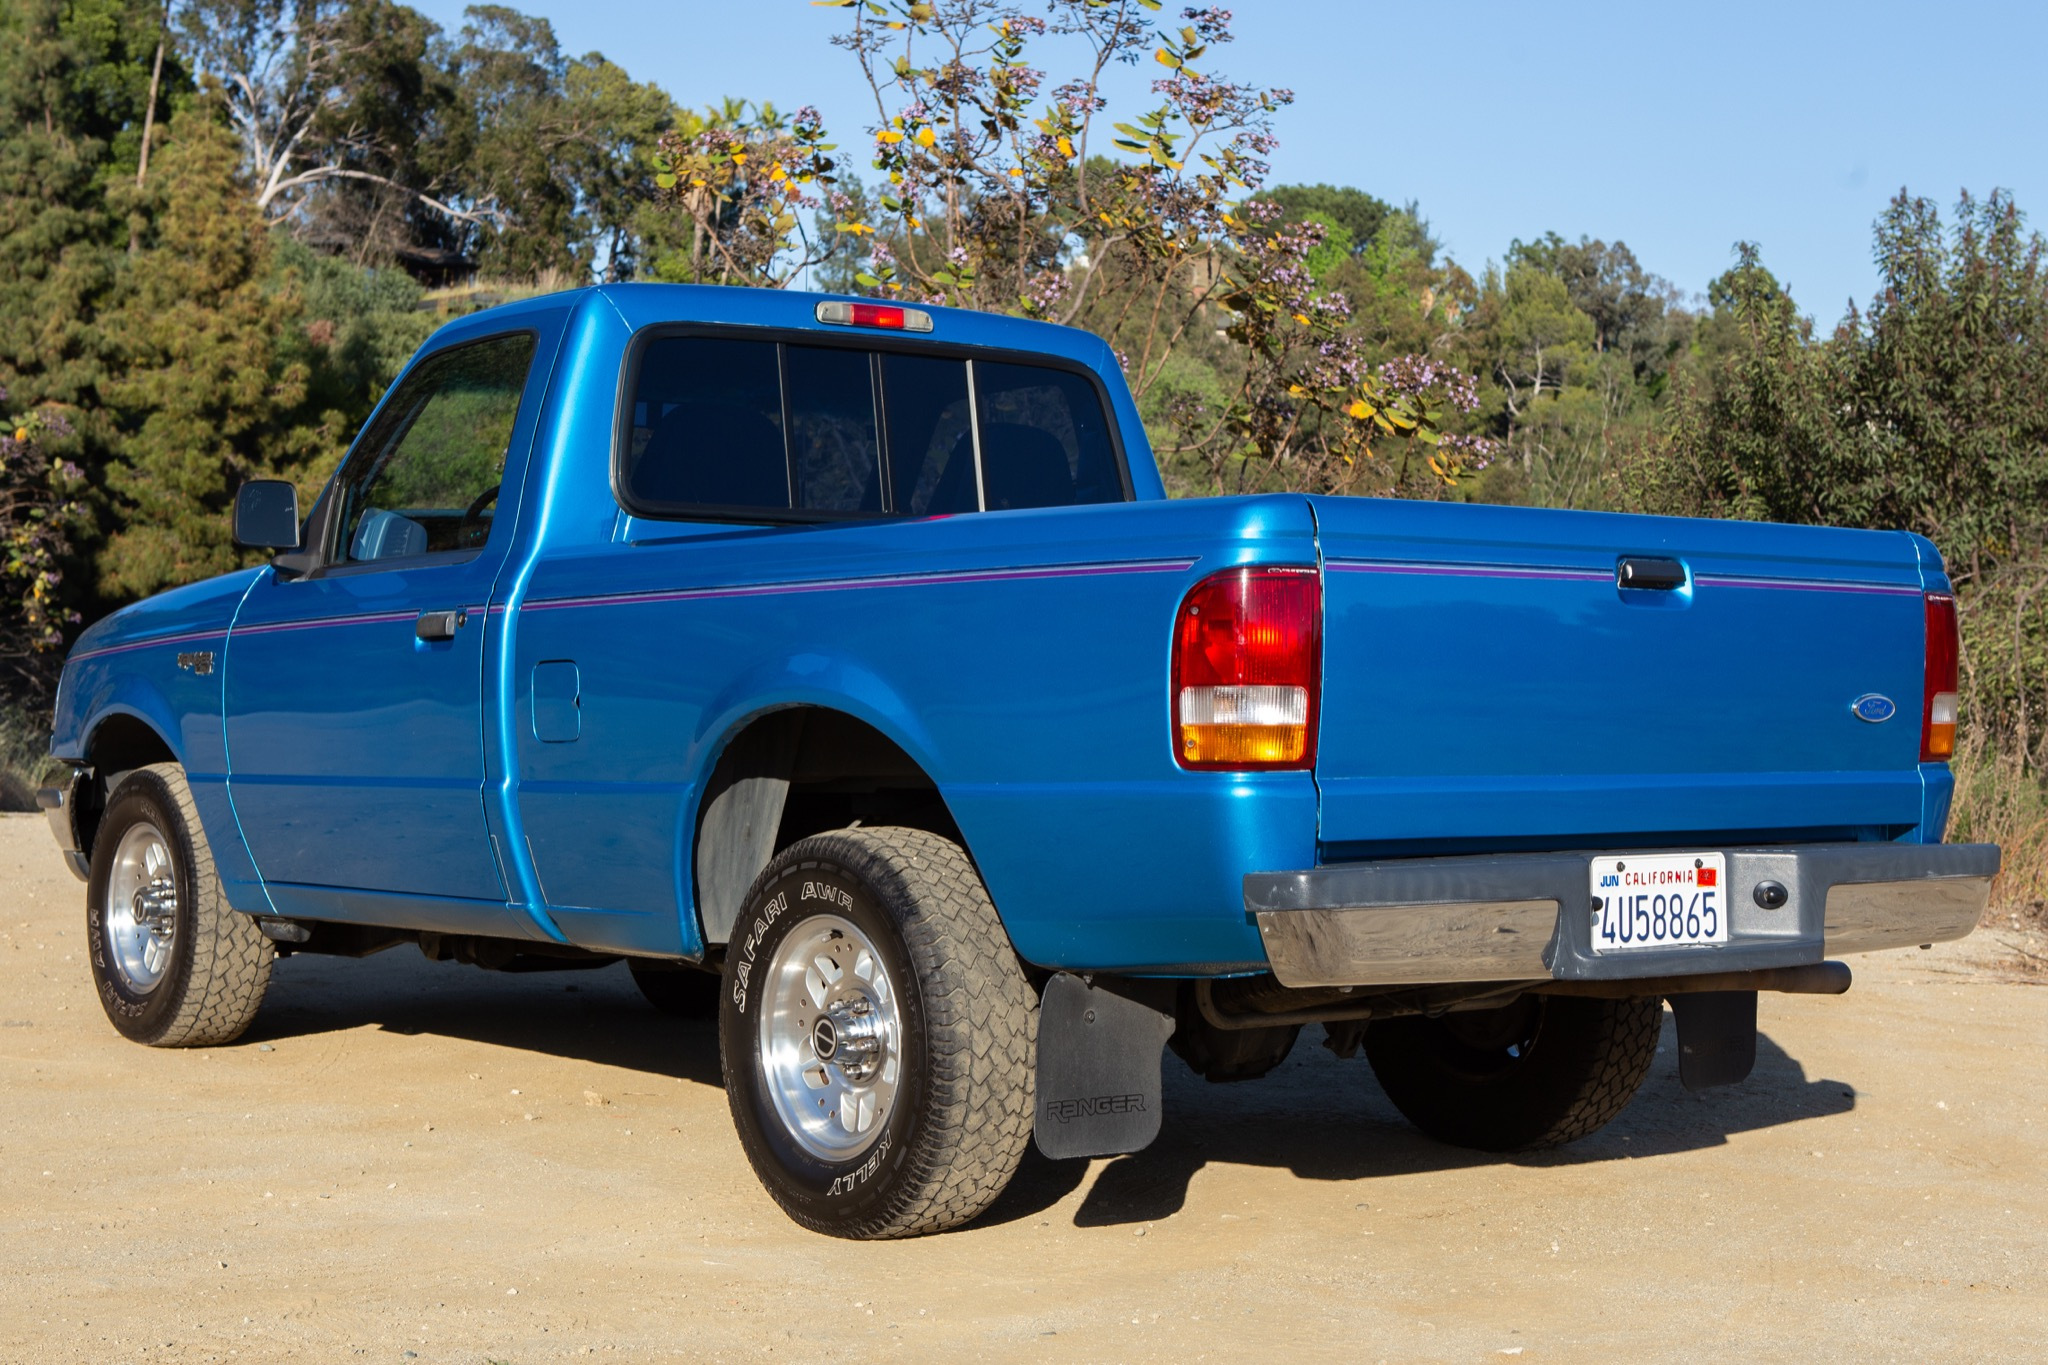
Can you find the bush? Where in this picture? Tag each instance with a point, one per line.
(1998, 801)
(25, 762)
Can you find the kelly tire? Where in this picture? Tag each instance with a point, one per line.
(675, 989)
(199, 974)
(961, 1028)
(1541, 1072)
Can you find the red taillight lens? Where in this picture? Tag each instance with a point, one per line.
(888, 317)
(1938, 697)
(1247, 670)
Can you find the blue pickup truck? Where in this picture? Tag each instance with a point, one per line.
(844, 669)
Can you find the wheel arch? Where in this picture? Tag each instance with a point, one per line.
(120, 740)
(789, 771)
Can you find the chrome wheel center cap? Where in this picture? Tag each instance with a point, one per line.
(849, 1034)
(153, 907)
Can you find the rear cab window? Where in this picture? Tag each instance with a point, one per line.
(742, 428)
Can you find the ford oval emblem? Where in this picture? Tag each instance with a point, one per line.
(1873, 707)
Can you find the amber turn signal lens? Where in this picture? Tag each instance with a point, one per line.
(1237, 727)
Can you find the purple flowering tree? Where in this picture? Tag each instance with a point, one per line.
(741, 177)
(1004, 191)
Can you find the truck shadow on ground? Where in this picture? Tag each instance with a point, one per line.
(1321, 1117)
(588, 1016)
(1324, 1118)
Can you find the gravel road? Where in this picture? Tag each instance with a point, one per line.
(407, 1160)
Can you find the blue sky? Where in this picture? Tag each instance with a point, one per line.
(1678, 129)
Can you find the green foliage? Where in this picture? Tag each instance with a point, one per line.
(38, 517)
(1359, 214)
(1323, 258)
(206, 390)
(1928, 412)
(358, 328)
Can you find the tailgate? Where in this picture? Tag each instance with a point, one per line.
(1487, 685)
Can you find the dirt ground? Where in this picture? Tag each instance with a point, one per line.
(407, 1160)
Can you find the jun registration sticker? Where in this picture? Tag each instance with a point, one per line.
(1659, 900)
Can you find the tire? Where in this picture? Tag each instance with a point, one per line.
(1541, 1072)
(174, 966)
(894, 1098)
(674, 988)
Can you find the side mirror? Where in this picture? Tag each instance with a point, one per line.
(266, 515)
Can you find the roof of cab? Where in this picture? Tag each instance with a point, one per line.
(648, 305)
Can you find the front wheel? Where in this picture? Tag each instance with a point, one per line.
(174, 965)
(1541, 1072)
(877, 1035)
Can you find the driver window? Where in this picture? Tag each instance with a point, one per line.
(424, 478)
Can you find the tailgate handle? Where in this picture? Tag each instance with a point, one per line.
(1648, 574)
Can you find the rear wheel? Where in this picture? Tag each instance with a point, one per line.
(173, 964)
(1541, 1072)
(877, 1034)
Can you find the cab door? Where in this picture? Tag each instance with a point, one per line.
(354, 693)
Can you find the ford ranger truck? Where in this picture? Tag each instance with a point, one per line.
(843, 668)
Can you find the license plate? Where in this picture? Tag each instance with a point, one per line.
(1660, 900)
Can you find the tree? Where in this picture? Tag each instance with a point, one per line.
(1624, 301)
(995, 200)
(741, 175)
(1928, 411)
(1359, 214)
(205, 398)
(1534, 337)
(563, 149)
(290, 72)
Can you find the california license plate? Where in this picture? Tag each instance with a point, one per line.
(1659, 900)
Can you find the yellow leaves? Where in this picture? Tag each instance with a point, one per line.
(1066, 146)
(697, 182)
(1295, 390)
(856, 229)
(739, 158)
(1301, 318)
(1014, 171)
(926, 137)
(890, 136)
(777, 173)
(1359, 409)
(21, 433)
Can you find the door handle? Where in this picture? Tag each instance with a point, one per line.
(439, 625)
(1643, 572)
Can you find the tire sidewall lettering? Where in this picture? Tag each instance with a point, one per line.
(140, 1014)
(830, 1190)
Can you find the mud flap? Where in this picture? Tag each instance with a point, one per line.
(1716, 1037)
(1098, 1065)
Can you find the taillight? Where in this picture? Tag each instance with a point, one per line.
(1938, 693)
(886, 316)
(1247, 667)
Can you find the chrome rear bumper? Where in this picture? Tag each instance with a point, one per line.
(1504, 917)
